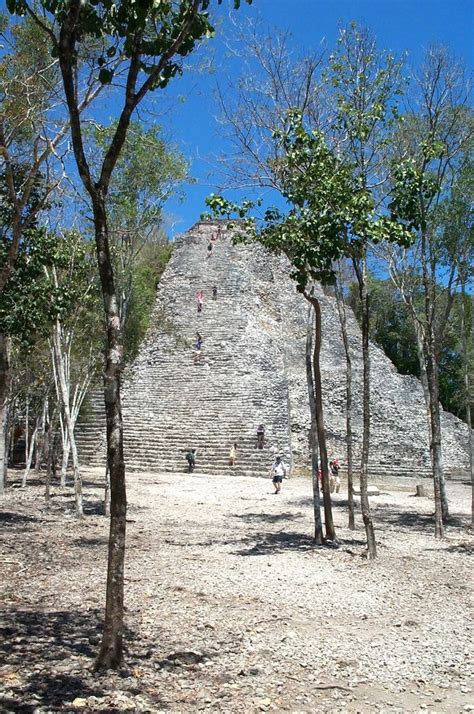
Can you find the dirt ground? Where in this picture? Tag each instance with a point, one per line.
(230, 608)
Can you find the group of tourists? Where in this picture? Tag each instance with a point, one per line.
(259, 444)
(200, 298)
(279, 470)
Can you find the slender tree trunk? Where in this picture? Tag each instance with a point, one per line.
(27, 426)
(111, 651)
(319, 415)
(107, 491)
(66, 450)
(39, 442)
(8, 448)
(341, 308)
(64, 397)
(433, 387)
(364, 496)
(318, 525)
(465, 332)
(48, 455)
(65, 459)
(29, 457)
(5, 370)
(420, 349)
(423, 357)
(435, 441)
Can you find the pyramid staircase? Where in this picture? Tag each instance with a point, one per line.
(170, 403)
(253, 371)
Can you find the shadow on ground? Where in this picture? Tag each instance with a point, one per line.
(49, 690)
(271, 543)
(266, 517)
(91, 508)
(464, 548)
(35, 644)
(410, 519)
(12, 520)
(84, 542)
(307, 501)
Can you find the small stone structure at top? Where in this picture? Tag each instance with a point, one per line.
(252, 371)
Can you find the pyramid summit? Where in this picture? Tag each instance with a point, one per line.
(250, 370)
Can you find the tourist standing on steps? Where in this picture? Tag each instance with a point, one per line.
(278, 473)
(214, 292)
(200, 300)
(260, 436)
(233, 454)
(191, 459)
(197, 348)
(210, 246)
(334, 481)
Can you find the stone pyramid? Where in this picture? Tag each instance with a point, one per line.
(252, 371)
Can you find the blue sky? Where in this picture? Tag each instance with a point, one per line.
(187, 110)
(400, 25)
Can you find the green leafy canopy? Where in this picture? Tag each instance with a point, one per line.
(120, 23)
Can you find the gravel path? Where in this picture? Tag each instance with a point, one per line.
(229, 606)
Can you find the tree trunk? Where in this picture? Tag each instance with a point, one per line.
(64, 398)
(423, 357)
(433, 388)
(319, 415)
(29, 457)
(420, 350)
(364, 497)
(465, 332)
(49, 461)
(318, 525)
(111, 651)
(8, 447)
(27, 426)
(5, 368)
(341, 308)
(422, 332)
(435, 440)
(107, 491)
(65, 459)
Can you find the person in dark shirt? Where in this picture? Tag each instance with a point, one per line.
(191, 459)
(334, 480)
(260, 436)
(197, 348)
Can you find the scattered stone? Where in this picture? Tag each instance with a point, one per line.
(80, 702)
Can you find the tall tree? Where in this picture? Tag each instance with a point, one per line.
(75, 345)
(33, 132)
(152, 38)
(30, 301)
(309, 359)
(341, 309)
(366, 83)
(430, 146)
